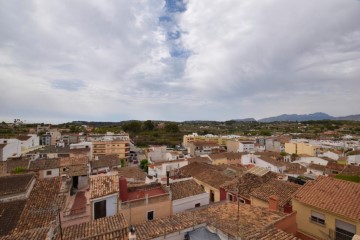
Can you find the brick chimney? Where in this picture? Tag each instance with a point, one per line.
(123, 189)
(274, 203)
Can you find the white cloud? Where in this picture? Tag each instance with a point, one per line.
(245, 59)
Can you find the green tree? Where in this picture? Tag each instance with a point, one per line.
(171, 127)
(122, 162)
(144, 164)
(148, 125)
(133, 126)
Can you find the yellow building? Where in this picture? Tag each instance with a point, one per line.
(290, 148)
(221, 140)
(328, 208)
(301, 148)
(121, 148)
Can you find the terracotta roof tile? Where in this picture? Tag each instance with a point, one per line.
(105, 161)
(42, 205)
(253, 221)
(333, 195)
(9, 215)
(185, 189)
(23, 137)
(14, 184)
(43, 164)
(283, 190)
(114, 227)
(104, 185)
(132, 172)
(351, 170)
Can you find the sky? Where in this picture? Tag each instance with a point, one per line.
(115, 60)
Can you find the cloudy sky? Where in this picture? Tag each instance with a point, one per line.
(177, 60)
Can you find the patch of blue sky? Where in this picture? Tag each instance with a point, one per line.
(175, 6)
(71, 85)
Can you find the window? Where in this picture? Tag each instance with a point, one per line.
(230, 197)
(197, 205)
(344, 230)
(150, 215)
(318, 218)
(48, 173)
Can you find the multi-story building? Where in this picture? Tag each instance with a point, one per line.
(301, 148)
(328, 208)
(119, 147)
(221, 140)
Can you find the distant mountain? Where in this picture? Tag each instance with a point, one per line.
(245, 120)
(297, 117)
(350, 118)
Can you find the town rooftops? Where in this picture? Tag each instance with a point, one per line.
(140, 192)
(185, 189)
(283, 190)
(259, 171)
(132, 173)
(14, 184)
(227, 155)
(79, 150)
(52, 149)
(114, 227)
(10, 214)
(103, 185)
(335, 166)
(254, 223)
(111, 160)
(317, 167)
(199, 159)
(42, 205)
(246, 183)
(43, 164)
(332, 195)
(23, 137)
(21, 162)
(351, 170)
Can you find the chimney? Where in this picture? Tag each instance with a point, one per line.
(123, 189)
(274, 203)
(167, 178)
(132, 233)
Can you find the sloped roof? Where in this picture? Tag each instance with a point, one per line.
(14, 184)
(43, 164)
(106, 161)
(114, 227)
(283, 190)
(185, 189)
(104, 185)
(254, 221)
(10, 215)
(42, 205)
(332, 195)
(132, 172)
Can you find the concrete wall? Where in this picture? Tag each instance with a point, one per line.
(189, 202)
(232, 146)
(139, 213)
(259, 202)
(55, 172)
(291, 148)
(315, 230)
(208, 188)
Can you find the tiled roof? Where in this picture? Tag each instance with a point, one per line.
(317, 167)
(77, 170)
(271, 158)
(104, 185)
(283, 190)
(247, 183)
(132, 172)
(43, 164)
(335, 166)
(213, 178)
(41, 207)
(14, 184)
(23, 137)
(114, 227)
(79, 150)
(9, 215)
(36, 233)
(295, 168)
(106, 161)
(332, 195)
(53, 149)
(253, 220)
(227, 155)
(14, 163)
(185, 189)
(271, 233)
(78, 160)
(351, 170)
(199, 159)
